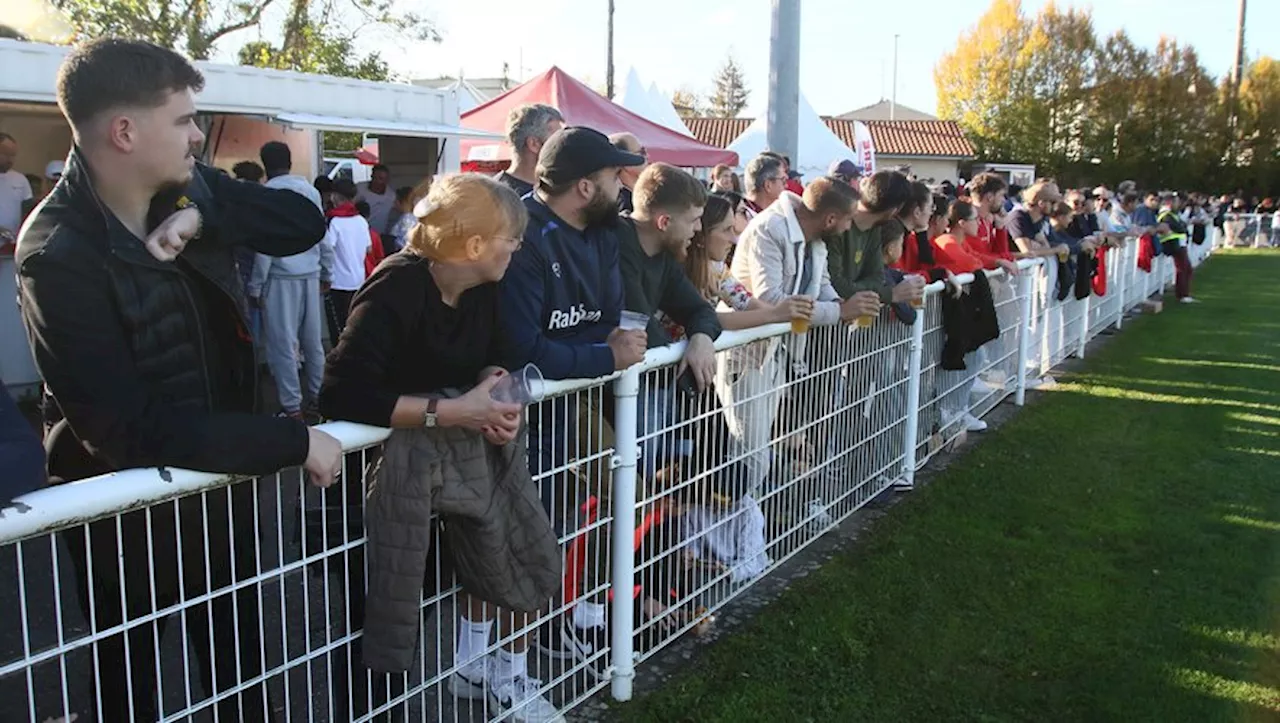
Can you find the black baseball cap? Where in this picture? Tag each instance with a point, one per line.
(576, 152)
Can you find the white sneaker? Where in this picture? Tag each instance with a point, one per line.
(1044, 382)
(973, 424)
(520, 698)
(469, 681)
(1188, 300)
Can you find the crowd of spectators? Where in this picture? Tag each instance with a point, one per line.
(148, 279)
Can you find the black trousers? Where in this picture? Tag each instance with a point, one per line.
(224, 633)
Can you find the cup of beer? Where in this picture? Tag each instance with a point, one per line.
(866, 321)
(1063, 254)
(800, 324)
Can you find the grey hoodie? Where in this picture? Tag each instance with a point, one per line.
(316, 261)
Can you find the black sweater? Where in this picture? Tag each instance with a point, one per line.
(401, 338)
(653, 283)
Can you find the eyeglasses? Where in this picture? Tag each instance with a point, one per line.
(778, 178)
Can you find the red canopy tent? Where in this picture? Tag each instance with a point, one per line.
(582, 106)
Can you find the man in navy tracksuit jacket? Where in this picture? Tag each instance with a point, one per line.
(562, 300)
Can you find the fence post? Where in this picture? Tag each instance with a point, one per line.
(1026, 286)
(915, 355)
(1046, 307)
(626, 430)
(1122, 274)
(1084, 325)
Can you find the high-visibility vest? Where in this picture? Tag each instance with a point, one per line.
(1166, 216)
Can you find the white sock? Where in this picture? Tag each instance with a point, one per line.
(509, 665)
(588, 615)
(473, 640)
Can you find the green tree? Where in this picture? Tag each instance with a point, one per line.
(191, 27)
(731, 92)
(687, 103)
(1260, 121)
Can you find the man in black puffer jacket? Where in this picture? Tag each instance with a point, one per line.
(131, 300)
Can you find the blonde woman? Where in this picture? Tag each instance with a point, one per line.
(429, 319)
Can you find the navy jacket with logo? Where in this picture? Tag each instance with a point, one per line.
(561, 297)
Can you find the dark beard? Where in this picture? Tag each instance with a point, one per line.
(601, 211)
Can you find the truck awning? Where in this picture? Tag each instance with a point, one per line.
(308, 121)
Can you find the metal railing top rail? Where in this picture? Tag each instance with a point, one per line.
(74, 503)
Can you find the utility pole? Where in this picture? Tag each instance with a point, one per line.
(893, 102)
(1237, 76)
(783, 121)
(608, 73)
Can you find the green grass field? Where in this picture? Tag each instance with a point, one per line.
(1110, 554)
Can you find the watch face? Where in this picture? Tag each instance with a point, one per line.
(430, 420)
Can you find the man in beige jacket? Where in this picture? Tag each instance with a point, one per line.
(781, 254)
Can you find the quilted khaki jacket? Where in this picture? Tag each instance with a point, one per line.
(495, 528)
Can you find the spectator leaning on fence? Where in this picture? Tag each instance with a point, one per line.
(427, 320)
(781, 255)
(706, 267)
(126, 277)
(854, 257)
(562, 301)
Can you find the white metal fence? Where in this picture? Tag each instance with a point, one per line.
(259, 583)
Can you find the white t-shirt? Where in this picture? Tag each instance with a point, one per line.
(349, 237)
(380, 205)
(14, 191)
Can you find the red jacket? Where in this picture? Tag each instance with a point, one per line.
(956, 256)
(912, 263)
(991, 242)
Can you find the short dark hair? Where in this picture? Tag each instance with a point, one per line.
(663, 186)
(1130, 197)
(892, 230)
(345, 187)
(380, 167)
(276, 156)
(323, 184)
(248, 171)
(403, 193)
(362, 208)
(885, 191)
(985, 183)
(829, 195)
(111, 72)
(6, 137)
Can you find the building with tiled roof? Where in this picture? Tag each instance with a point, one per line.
(932, 148)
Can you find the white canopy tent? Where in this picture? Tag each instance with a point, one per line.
(817, 146)
(667, 111)
(650, 104)
(468, 95)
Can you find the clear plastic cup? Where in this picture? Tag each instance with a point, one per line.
(633, 321)
(523, 386)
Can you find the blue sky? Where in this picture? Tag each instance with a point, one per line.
(846, 46)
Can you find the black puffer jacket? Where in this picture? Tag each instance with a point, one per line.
(148, 361)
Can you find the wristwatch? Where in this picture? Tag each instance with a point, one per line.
(429, 419)
(183, 204)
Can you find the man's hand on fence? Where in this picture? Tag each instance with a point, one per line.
(324, 458)
(863, 303)
(700, 358)
(628, 347)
